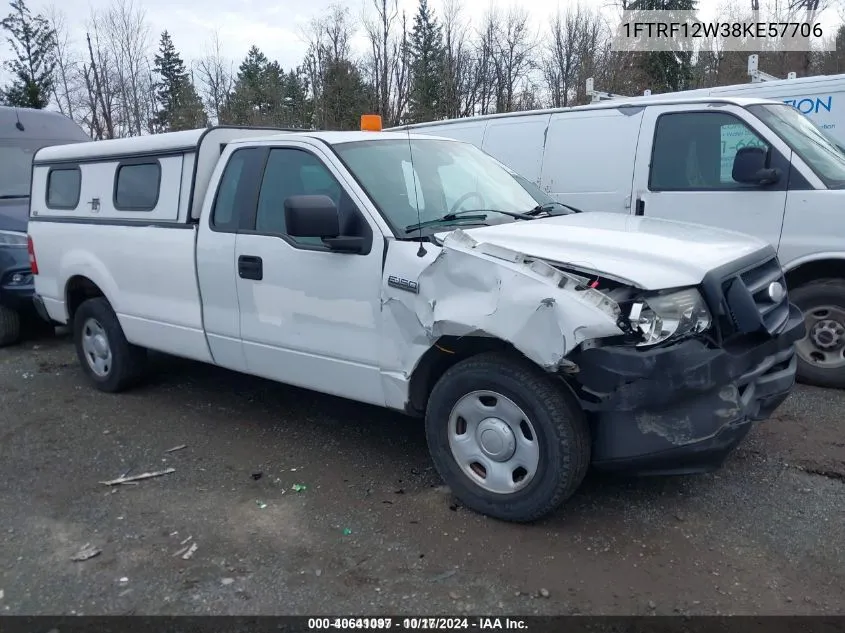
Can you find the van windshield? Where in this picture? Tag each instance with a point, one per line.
(16, 165)
(813, 145)
(438, 177)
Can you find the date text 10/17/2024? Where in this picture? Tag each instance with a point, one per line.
(418, 623)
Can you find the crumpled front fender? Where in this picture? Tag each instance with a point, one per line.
(470, 288)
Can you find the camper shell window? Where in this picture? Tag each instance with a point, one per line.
(63, 186)
(136, 185)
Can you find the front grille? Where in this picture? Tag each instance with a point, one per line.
(748, 303)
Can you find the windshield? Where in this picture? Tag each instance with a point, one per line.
(16, 165)
(440, 177)
(813, 145)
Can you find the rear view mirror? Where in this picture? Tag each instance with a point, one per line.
(750, 167)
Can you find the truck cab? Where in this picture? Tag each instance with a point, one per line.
(421, 275)
(23, 131)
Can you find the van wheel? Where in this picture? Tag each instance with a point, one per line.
(821, 353)
(108, 359)
(10, 326)
(509, 440)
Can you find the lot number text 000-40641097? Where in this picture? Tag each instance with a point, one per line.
(417, 623)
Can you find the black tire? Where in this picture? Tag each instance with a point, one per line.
(10, 326)
(128, 362)
(808, 297)
(559, 424)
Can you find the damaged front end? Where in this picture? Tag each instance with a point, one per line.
(709, 361)
(670, 380)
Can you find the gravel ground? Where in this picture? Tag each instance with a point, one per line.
(373, 531)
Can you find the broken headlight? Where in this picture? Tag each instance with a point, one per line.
(658, 318)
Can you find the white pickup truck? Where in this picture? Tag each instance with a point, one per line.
(418, 274)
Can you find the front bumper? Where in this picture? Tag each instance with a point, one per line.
(683, 408)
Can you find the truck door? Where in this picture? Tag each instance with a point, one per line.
(216, 270)
(309, 316)
(684, 170)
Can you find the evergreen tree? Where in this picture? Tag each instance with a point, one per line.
(180, 107)
(33, 43)
(427, 63)
(345, 95)
(250, 103)
(666, 71)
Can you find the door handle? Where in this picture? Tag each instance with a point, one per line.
(250, 267)
(639, 209)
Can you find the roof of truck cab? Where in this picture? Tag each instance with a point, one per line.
(337, 138)
(189, 140)
(641, 101)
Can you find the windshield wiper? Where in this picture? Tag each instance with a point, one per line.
(13, 196)
(466, 214)
(545, 208)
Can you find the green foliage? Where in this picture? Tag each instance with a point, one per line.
(265, 95)
(345, 95)
(427, 65)
(180, 107)
(33, 43)
(666, 71)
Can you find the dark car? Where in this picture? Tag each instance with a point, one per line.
(22, 132)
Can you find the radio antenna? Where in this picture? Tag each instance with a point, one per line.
(421, 252)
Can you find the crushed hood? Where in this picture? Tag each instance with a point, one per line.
(647, 252)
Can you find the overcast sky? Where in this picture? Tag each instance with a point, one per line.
(275, 26)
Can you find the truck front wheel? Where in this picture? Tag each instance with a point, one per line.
(821, 353)
(107, 358)
(509, 440)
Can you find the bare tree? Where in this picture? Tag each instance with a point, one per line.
(98, 73)
(215, 78)
(456, 59)
(128, 37)
(486, 77)
(66, 80)
(513, 57)
(379, 31)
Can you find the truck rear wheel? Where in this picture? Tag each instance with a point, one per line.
(10, 326)
(510, 441)
(108, 359)
(821, 353)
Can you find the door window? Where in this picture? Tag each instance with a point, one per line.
(695, 151)
(294, 172)
(224, 216)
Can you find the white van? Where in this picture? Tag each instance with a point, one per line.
(533, 341)
(752, 165)
(821, 98)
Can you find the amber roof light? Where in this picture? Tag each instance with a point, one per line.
(370, 123)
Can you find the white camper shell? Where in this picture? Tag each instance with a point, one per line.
(745, 164)
(421, 275)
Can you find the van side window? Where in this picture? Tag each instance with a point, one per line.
(695, 151)
(224, 215)
(63, 185)
(295, 172)
(136, 186)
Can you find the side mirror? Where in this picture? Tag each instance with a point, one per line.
(750, 167)
(317, 216)
(311, 216)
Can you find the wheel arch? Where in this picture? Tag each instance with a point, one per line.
(824, 267)
(443, 354)
(78, 289)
